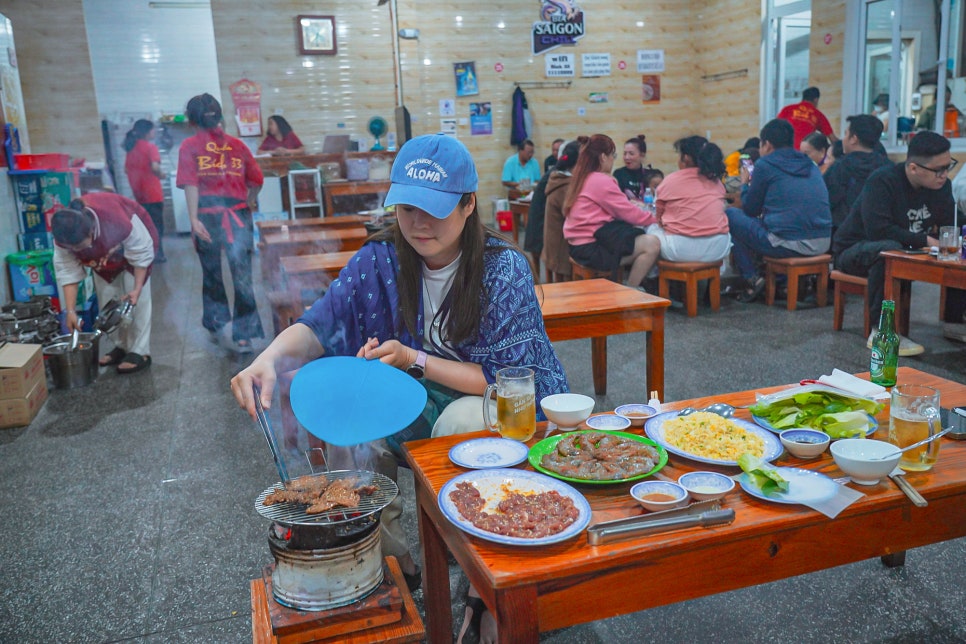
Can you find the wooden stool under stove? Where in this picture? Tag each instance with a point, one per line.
(388, 614)
(691, 273)
(794, 268)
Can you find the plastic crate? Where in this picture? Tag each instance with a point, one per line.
(52, 161)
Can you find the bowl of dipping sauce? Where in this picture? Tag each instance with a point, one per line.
(706, 486)
(659, 495)
(637, 413)
(608, 422)
(805, 443)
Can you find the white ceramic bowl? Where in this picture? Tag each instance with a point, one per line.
(646, 493)
(853, 456)
(608, 422)
(805, 443)
(637, 413)
(567, 411)
(706, 486)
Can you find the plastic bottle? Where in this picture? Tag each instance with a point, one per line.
(885, 348)
(649, 201)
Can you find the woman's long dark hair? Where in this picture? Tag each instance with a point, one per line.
(204, 111)
(461, 307)
(283, 127)
(138, 131)
(587, 162)
(704, 155)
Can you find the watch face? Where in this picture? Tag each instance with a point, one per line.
(415, 371)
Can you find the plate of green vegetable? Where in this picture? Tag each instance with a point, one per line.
(835, 412)
(790, 485)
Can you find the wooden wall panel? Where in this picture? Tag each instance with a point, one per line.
(55, 76)
(826, 65)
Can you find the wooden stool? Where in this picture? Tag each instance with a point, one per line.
(691, 273)
(581, 272)
(846, 284)
(794, 268)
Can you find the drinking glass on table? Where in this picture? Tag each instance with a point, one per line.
(516, 410)
(948, 243)
(914, 416)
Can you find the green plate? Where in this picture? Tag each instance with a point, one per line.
(548, 445)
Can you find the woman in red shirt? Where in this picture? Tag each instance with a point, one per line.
(281, 140)
(221, 180)
(143, 168)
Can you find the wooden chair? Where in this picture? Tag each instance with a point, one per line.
(794, 268)
(581, 272)
(846, 284)
(691, 273)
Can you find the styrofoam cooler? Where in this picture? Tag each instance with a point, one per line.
(357, 169)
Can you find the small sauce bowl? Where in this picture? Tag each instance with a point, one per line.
(805, 443)
(637, 413)
(659, 495)
(608, 422)
(706, 486)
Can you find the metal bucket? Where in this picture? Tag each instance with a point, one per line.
(78, 368)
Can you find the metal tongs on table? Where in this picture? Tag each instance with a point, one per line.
(269, 435)
(701, 513)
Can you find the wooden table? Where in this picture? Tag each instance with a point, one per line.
(521, 211)
(902, 268)
(531, 590)
(599, 308)
(276, 245)
(333, 189)
(306, 223)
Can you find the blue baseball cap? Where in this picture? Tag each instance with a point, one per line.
(432, 172)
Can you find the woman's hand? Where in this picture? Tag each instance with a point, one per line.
(391, 352)
(198, 230)
(133, 296)
(261, 372)
(73, 322)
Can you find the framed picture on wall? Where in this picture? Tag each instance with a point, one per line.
(316, 35)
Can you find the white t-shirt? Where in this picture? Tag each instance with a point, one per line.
(436, 284)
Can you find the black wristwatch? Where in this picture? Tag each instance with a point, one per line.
(418, 368)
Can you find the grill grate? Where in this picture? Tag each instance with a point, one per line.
(294, 513)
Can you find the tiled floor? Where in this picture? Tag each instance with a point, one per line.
(128, 505)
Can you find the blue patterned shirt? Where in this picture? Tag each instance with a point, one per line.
(363, 302)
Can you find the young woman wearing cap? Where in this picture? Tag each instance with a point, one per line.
(221, 180)
(436, 295)
(604, 229)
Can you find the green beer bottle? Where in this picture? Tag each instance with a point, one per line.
(885, 348)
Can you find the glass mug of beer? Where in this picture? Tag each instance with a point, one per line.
(516, 410)
(948, 243)
(914, 416)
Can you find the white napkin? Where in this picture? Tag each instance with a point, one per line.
(847, 382)
(845, 497)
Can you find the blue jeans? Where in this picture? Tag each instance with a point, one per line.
(750, 241)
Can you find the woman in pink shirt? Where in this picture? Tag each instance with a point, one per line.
(692, 224)
(604, 229)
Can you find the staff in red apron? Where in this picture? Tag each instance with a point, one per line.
(221, 180)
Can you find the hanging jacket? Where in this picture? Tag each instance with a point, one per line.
(520, 117)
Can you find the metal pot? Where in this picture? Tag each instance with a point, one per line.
(77, 368)
(37, 305)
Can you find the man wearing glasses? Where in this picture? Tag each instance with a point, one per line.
(900, 207)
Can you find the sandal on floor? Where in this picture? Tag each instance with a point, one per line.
(140, 363)
(114, 356)
(472, 619)
(755, 288)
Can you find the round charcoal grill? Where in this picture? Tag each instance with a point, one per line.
(332, 558)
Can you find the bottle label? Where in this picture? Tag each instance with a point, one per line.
(876, 363)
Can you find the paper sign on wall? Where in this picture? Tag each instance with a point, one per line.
(595, 64)
(447, 107)
(481, 119)
(650, 89)
(560, 65)
(247, 97)
(650, 61)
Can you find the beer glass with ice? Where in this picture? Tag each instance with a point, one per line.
(516, 411)
(914, 416)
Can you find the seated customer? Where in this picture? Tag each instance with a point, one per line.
(846, 178)
(280, 140)
(785, 208)
(521, 167)
(556, 251)
(434, 295)
(816, 147)
(632, 178)
(899, 208)
(604, 229)
(551, 160)
(692, 225)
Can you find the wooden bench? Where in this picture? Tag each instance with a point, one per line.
(342, 221)
(795, 268)
(846, 284)
(276, 245)
(691, 273)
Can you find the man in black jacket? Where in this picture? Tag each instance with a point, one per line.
(898, 208)
(846, 178)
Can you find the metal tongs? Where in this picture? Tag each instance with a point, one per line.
(701, 513)
(269, 435)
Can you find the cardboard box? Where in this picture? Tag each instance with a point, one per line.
(21, 368)
(17, 412)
